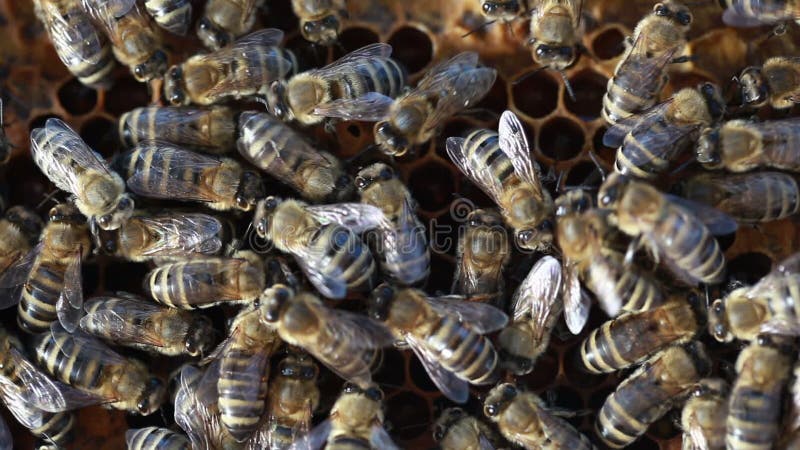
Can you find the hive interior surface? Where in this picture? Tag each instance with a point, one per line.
(35, 86)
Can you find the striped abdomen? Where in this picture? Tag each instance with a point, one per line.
(242, 387)
(58, 353)
(202, 283)
(686, 241)
(628, 92)
(210, 129)
(344, 256)
(56, 428)
(638, 290)
(779, 142)
(155, 438)
(381, 75)
(631, 338)
(483, 150)
(174, 16)
(37, 306)
(465, 352)
(410, 264)
(664, 143)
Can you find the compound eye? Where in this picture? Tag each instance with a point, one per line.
(271, 203)
(309, 27)
(525, 235)
(661, 10)
(684, 18)
(490, 410)
(362, 182)
(374, 394)
(104, 221)
(509, 391)
(542, 50)
(387, 174)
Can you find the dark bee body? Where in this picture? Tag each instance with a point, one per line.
(748, 197)
(650, 392)
(174, 16)
(154, 438)
(20, 229)
(741, 145)
(225, 20)
(775, 83)
(631, 338)
(356, 421)
(293, 397)
(556, 30)
(457, 430)
(483, 251)
(5, 145)
(752, 13)
(210, 130)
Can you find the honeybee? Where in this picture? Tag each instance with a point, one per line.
(355, 421)
(19, 228)
(73, 167)
(156, 169)
(791, 430)
(155, 438)
(404, 252)
(763, 369)
(649, 142)
(283, 153)
(704, 414)
(323, 240)
(206, 282)
(753, 13)
(85, 363)
(524, 420)
(171, 236)
(651, 391)
(135, 41)
(209, 130)
(536, 306)
(345, 342)
(50, 274)
(740, 145)
(225, 20)
(446, 89)
(631, 338)
(641, 73)
(346, 88)
(80, 46)
(556, 31)
(321, 20)
(482, 254)
(678, 231)
(129, 320)
(197, 411)
(446, 334)
(776, 82)
(244, 68)
(511, 179)
(747, 197)
(505, 10)
(174, 16)
(456, 430)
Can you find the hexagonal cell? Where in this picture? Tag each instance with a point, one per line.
(544, 372)
(388, 374)
(583, 174)
(101, 135)
(412, 47)
(354, 38)
(561, 139)
(126, 94)
(432, 185)
(608, 44)
(606, 153)
(680, 80)
(589, 87)
(409, 415)
(76, 98)
(536, 95)
(749, 267)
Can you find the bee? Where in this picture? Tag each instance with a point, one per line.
(283, 153)
(156, 169)
(753, 13)
(356, 421)
(455, 430)
(631, 338)
(763, 370)
(129, 320)
(81, 47)
(174, 16)
(323, 240)
(225, 20)
(242, 69)
(345, 342)
(641, 73)
(209, 130)
(504, 10)
(155, 438)
(171, 236)
(20, 229)
(556, 30)
(446, 89)
(482, 254)
(704, 414)
(206, 282)
(445, 333)
(791, 430)
(649, 142)
(402, 244)
(523, 419)
(776, 83)
(741, 145)
(346, 88)
(197, 410)
(321, 20)
(84, 362)
(747, 197)
(671, 228)
(651, 391)
(501, 165)
(135, 41)
(536, 306)
(50, 275)
(73, 167)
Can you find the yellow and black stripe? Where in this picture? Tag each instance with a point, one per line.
(155, 438)
(685, 240)
(174, 16)
(37, 306)
(240, 406)
(466, 353)
(344, 256)
(381, 75)
(212, 130)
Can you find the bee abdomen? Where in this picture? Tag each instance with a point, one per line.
(468, 354)
(627, 95)
(348, 255)
(641, 291)
(155, 438)
(753, 418)
(59, 355)
(173, 15)
(56, 428)
(240, 405)
(688, 243)
(381, 75)
(483, 147)
(37, 306)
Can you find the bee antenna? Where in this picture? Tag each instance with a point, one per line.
(708, 296)
(1, 112)
(528, 75)
(597, 164)
(48, 197)
(568, 86)
(483, 25)
(264, 101)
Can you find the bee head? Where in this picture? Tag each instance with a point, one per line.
(707, 151)
(500, 9)
(200, 337)
(373, 392)
(555, 57)
(26, 220)
(291, 367)
(173, 86)
(674, 11)
(273, 301)
(276, 100)
(611, 190)
(446, 420)
(498, 399)
(574, 201)
(66, 213)
(718, 322)
(152, 396)
(372, 173)
(153, 67)
(212, 35)
(120, 214)
(516, 364)
(753, 87)
(262, 219)
(251, 190)
(324, 31)
(714, 101)
(380, 302)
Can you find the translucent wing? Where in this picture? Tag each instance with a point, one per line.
(13, 278)
(129, 326)
(781, 326)
(74, 46)
(315, 438)
(717, 222)
(403, 241)
(370, 107)
(183, 234)
(199, 280)
(6, 441)
(267, 37)
(576, 305)
(463, 60)
(448, 383)
(538, 294)
(377, 50)
(480, 175)
(380, 439)
(615, 135)
(457, 91)
(89, 345)
(481, 317)
(69, 306)
(193, 415)
(515, 145)
(172, 182)
(26, 414)
(693, 436)
(273, 66)
(604, 287)
(314, 262)
(734, 19)
(111, 8)
(357, 217)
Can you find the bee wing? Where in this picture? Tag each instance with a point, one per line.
(26, 414)
(484, 443)
(92, 347)
(407, 236)
(576, 304)
(380, 439)
(377, 50)
(605, 287)
(193, 415)
(356, 217)
(67, 40)
(717, 222)
(781, 326)
(615, 135)
(14, 277)
(112, 8)
(268, 37)
(184, 234)
(456, 92)
(539, 292)
(448, 383)
(480, 317)
(461, 60)
(370, 107)
(315, 438)
(479, 174)
(314, 264)
(127, 329)
(693, 436)
(60, 153)
(515, 145)
(172, 183)
(273, 64)
(69, 307)
(733, 19)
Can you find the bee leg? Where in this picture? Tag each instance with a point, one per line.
(330, 126)
(683, 59)
(633, 247)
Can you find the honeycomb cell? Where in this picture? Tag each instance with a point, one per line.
(408, 414)
(76, 98)
(561, 139)
(356, 37)
(412, 47)
(432, 186)
(496, 100)
(101, 135)
(126, 94)
(679, 80)
(536, 95)
(39, 121)
(419, 377)
(589, 88)
(583, 174)
(608, 44)
(388, 373)
(544, 371)
(749, 267)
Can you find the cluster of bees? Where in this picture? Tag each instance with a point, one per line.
(337, 237)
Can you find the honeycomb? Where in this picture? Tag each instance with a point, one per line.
(36, 86)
